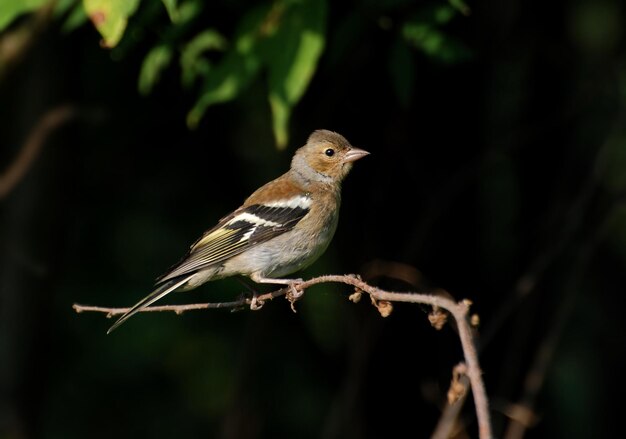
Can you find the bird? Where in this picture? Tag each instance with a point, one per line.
(282, 228)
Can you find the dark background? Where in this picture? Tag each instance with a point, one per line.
(500, 179)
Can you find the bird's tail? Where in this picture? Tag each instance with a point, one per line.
(161, 291)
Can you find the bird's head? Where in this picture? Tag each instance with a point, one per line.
(327, 157)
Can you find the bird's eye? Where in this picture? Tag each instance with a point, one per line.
(329, 152)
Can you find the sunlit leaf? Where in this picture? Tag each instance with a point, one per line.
(192, 63)
(172, 9)
(11, 9)
(110, 17)
(292, 54)
(235, 71)
(153, 64)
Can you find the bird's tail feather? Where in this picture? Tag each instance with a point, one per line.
(161, 291)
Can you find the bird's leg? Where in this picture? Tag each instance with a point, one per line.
(293, 284)
(246, 283)
(294, 292)
(255, 303)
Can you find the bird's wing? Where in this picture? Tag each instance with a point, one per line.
(246, 227)
(234, 234)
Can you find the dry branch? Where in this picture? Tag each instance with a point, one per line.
(382, 300)
(29, 151)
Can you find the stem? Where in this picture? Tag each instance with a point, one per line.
(458, 310)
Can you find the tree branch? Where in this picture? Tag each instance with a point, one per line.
(449, 420)
(382, 300)
(30, 149)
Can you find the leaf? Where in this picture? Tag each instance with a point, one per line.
(110, 18)
(292, 54)
(435, 14)
(76, 18)
(434, 43)
(423, 32)
(11, 9)
(153, 64)
(235, 71)
(188, 10)
(192, 64)
(172, 10)
(224, 83)
(461, 6)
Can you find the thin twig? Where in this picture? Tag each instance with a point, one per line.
(449, 419)
(31, 148)
(179, 309)
(382, 300)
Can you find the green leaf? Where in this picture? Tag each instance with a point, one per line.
(192, 64)
(460, 6)
(292, 54)
(153, 64)
(110, 18)
(61, 7)
(172, 9)
(76, 18)
(443, 14)
(11, 9)
(188, 10)
(424, 32)
(224, 83)
(236, 70)
(434, 43)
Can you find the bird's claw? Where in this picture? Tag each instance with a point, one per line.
(294, 293)
(255, 303)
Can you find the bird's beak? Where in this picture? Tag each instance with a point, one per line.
(354, 154)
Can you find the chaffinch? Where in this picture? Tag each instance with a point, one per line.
(281, 228)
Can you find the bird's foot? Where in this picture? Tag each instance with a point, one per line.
(294, 293)
(255, 303)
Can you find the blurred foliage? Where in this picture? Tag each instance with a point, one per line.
(11, 9)
(280, 39)
(110, 18)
